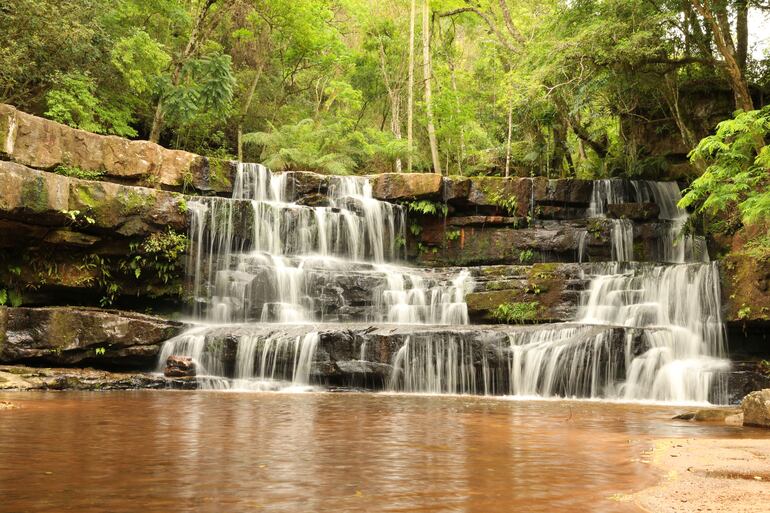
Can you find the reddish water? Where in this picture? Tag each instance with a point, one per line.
(228, 452)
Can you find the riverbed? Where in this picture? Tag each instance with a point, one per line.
(328, 452)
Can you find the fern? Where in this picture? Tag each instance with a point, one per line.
(738, 169)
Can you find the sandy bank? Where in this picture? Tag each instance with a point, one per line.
(716, 475)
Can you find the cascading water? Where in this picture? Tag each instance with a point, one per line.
(673, 346)
(644, 331)
(260, 256)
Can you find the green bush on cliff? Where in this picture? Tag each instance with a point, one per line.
(160, 254)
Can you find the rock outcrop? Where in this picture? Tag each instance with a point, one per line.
(179, 366)
(23, 378)
(756, 409)
(64, 336)
(44, 144)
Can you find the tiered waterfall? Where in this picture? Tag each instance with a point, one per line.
(296, 290)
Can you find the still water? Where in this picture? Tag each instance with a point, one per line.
(325, 452)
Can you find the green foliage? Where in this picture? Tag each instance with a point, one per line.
(427, 208)
(452, 235)
(74, 102)
(333, 148)
(516, 313)
(316, 83)
(99, 351)
(507, 203)
(76, 172)
(526, 256)
(159, 254)
(744, 312)
(737, 177)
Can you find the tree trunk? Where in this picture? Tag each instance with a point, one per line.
(461, 155)
(720, 27)
(395, 122)
(245, 109)
(410, 99)
(427, 76)
(190, 49)
(508, 141)
(742, 33)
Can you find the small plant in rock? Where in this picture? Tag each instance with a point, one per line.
(453, 235)
(527, 256)
(78, 172)
(516, 313)
(744, 312)
(428, 208)
(507, 203)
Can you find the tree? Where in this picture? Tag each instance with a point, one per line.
(715, 14)
(427, 77)
(410, 101)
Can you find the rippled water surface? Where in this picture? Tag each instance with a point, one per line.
(324, 452)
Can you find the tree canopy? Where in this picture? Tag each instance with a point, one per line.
(554, 88)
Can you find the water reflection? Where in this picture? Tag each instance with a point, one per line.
(216, 452)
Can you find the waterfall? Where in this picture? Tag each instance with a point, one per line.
(262, 257)
(644, 331)
(268, 255)
(262, 361)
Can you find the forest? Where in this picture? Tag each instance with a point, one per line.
(385, 255)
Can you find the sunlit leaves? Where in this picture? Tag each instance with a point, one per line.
(738, 172)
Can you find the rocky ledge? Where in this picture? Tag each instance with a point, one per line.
(44, 144)
(21, 378)
(61, 336)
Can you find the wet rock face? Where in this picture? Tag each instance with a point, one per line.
(756, 409)
(74, 336)
(179, 366)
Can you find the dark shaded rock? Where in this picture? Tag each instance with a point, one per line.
(315, 200)
(483, 221)
(76, 336)
(744, 378)
(567, 192)
(179, 366)
(455, 188)
(634, 211)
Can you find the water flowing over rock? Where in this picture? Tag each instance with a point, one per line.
(272, 270)
(261, 256)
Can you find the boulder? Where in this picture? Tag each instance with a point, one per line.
(456, 188)
(75, 336)
(756, 408)
(568, 191)
(179, 366)
(404, 186)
